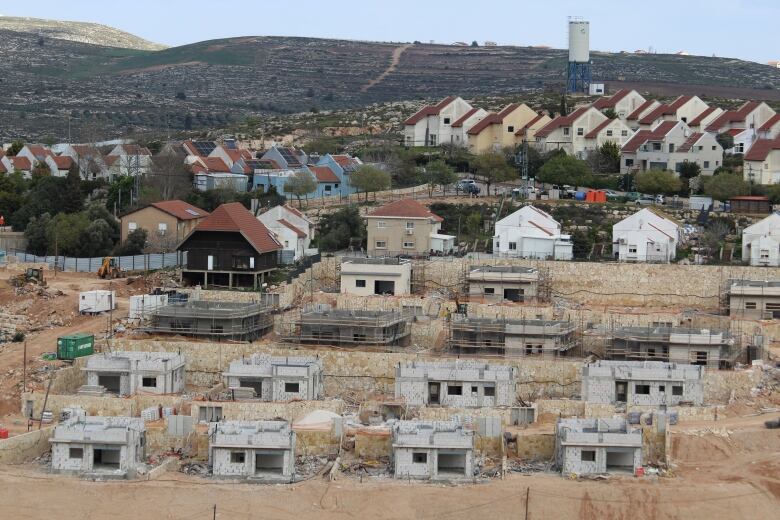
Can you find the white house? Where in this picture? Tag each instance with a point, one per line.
(291, 227)
(131, 159)
(531, 233)
(623, 102)
(684, 108)
(645, 236)
(432, 124)
(761, 242)
(762, 162)
(580, 132)
(703, 120)
(770, 129)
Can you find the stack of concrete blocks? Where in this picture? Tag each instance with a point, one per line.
(128, 373)
(270, 378)
(257, 450)
(643, 383)
(459, 383)
(102, 447)
(437, 450)
(596, 446)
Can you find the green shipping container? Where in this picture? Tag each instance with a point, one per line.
(75, 346)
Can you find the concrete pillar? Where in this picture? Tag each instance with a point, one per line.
(230, 280)
(205, 280)
(254, 277)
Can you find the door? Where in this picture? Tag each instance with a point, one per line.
(210, 266)
(513, 295)
(384, 287)
(621, 391)
(433, 393)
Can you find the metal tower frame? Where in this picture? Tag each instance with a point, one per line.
(578, 77)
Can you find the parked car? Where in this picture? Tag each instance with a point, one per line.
(463, 183)
(645, 200)
(612, 195)
(632, 196)
(660, 199)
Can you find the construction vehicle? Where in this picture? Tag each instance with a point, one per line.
(32, 275)
(110, 269)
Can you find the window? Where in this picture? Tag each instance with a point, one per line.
(750, 305)
(336, 186)
(512, 246)
(657, 147)
(410, 225)
(490, 391)
(580, 131)
(706, 164)
(76, 453)
(381, 224)
(632, 249)
(327, 187)
(446, 120)
(714, 148)
(662, 388)
(629, 162)
(432, 139)
(454, 390)
(360, 283)
(677, 390)
(381, 244)
(566, 131)
(490, 290)
(241, 262)
(671, 147)
(237, 457)
(132, 226)
(358, 337)
(642, 389)
(419, 458)
(286, 244)
(408, 245)
(474, 390)
(162, 228)
(292, 388)
(510, 129)
(149, 382)
(624, 133)
(588, 455)
(609, 133)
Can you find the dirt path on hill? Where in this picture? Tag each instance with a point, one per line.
(394, 61)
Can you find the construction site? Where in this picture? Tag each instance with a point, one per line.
(639, 397)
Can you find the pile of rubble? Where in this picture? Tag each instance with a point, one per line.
(307, 466)
(44, 460)
(200, 469)
(368, 468)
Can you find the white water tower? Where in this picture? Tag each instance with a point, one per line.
(578, 72)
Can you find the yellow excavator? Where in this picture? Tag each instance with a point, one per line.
(31, 275)
(110, 269)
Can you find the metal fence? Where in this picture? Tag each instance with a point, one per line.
(91, 265)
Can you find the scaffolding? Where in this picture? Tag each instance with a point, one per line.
(319, 324)
(511, 338)
(498, 283)
(213, 319)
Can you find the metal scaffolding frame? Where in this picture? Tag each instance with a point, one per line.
(212, 319)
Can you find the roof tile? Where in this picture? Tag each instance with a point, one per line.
(180, 209)
(408, 208)
(234, 217)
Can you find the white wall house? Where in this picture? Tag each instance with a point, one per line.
(762, 162)
(132, 159)
(531, 233)
(624, 102)
(291, 227)
(703, 120)
(645, 236)
(761, 242)
(432, 125)
(684, 108)
(579, 131)
(770, 129)
(752, 115)
(461, 126)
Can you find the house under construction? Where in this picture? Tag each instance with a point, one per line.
(326, 326)
(512, 338)
(505, 282)
(213, 319)
(705, 347)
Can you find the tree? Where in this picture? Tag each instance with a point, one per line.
(606, 159)
(657, 182)
(342, 229)
(36, 234)
(689, 170)
(369, 178)
(403, 168)
(97, 240)
(725, 186)
(438, 173)
(475, 43)
(726, 140)
(73, 199)
(15, 148)
(610, 113)
(169, 176)
(120, 194)
(133, 245)
(41, 169)
(492, 167)
(300, 185)
(565, 169)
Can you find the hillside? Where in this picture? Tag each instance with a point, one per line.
(116, 90)
(82, 32)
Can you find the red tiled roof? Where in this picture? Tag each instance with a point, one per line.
(766, 127)
(2, 168)
(234, 217)
(215, 165)
(198, 168)
(529, 124)
(295, 211)
(63, 162)
(611, 101)
(679, 102)
(734, 132)
(761, 149)
(39, 151)
(297, 231)
(690, 142)
(405, 208)
(641, 137)
(134, 149)
(180, 209)
(464, 117)
(85, 149)
(760, 198)
(110, 159)
(21, 163)
(491, 119)
(593, 134)
(324, 174)
(508, 110)
(698, 119)
(657, 113)
(638, 112)
(561, 121)
(733, 116)
(429, 110)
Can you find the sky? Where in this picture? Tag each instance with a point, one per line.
(730, 28)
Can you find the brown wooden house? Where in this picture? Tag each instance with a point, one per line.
(229, 248)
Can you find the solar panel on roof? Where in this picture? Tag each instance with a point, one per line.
(192, 212)
(204, 147)
(288, 156)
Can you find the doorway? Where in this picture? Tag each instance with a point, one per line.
(513, 295)
(254, 384)
(452, 463)
(269, 463)
(620, 461)
(111, 383)
(106, 458)
(434, 390)
(621, 391)
(384, 287)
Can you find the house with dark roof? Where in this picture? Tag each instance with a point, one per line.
(286, 157)
(229, 248)
(406, 227)
(515, 123)
(432, 124)
(668, 146)
(581, 132)
(762, 162)
(166, 223)
(623, 102)
(292, 229)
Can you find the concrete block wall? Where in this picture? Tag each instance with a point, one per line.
(21, 449)
(259, 410)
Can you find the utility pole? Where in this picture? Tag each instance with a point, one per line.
(214, 516)
(24, 369)
(46, 399)
(527, 495)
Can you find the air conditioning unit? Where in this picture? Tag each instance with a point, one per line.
(622, 241)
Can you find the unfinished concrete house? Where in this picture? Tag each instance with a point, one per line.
(269, 378)
(129, 373)
(705, 347)
(457, 383)
(753, 299)
(213, 319)
(322, 325)
(499, 283)
(642, 383)
(436, 450)
(99, 447)
(256, 450)
(592, 446)
(376, 276)
(512, 338)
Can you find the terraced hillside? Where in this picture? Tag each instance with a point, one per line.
(117, 90)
